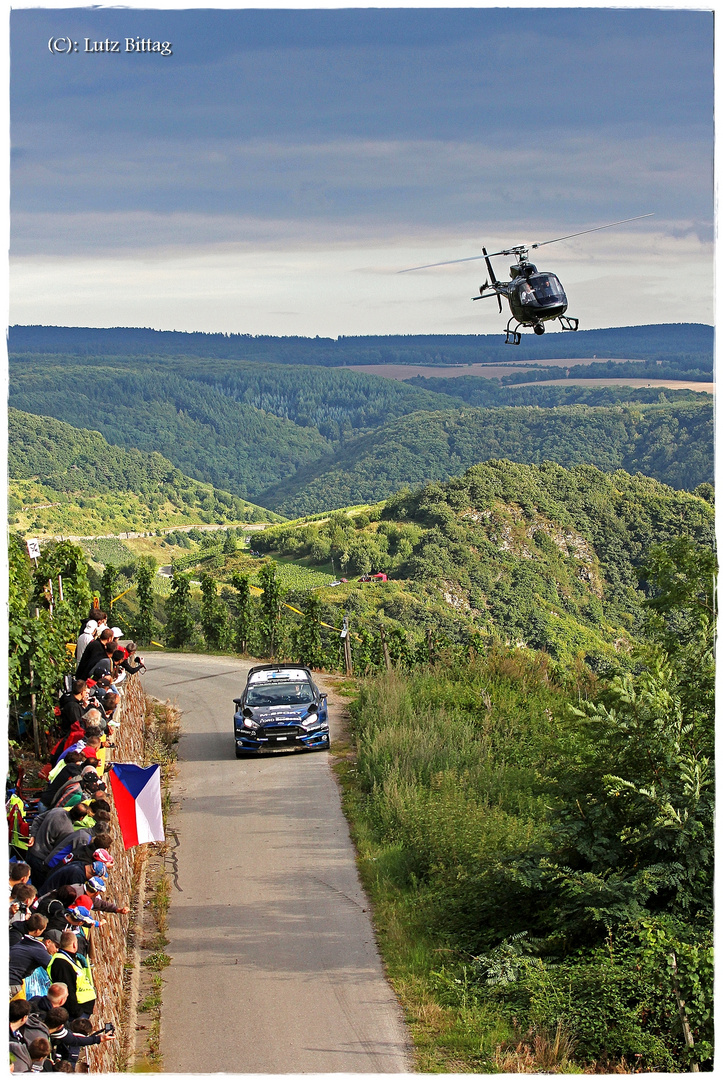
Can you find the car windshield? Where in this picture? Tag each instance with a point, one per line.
(280, 693)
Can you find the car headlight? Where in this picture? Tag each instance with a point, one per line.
(246, 718)
(312, 719)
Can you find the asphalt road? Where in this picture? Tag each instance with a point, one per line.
(274, 964)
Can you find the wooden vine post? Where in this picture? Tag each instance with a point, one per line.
(36, 733)
(346, 638)
(687, 1034)
(385, 649)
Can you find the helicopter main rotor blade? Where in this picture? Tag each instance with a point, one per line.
(521, 249)
(448, 262)
(585, 231)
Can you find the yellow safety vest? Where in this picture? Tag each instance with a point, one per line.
(16, 820)
(84, 988)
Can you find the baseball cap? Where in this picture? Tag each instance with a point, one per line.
(103, 855)
(97, 884)
(117, 632)
(80, 914)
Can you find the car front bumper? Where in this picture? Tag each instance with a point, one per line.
(316, 739)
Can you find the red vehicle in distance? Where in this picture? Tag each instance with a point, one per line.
(373, 577)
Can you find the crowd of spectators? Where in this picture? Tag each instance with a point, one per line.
(61, 865)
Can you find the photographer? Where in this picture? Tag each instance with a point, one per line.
(67, 1042)
(132, 663)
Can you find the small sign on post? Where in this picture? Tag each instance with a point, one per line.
(34, 549)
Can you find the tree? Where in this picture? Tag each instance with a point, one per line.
(308, 642)
(41, 624)
(214, 621)
(107, 588)
(145, 623)
(641, 764)
(269, 603)
(244, 612)
(179, 619)
(19, 587)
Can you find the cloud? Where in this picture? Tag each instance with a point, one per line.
(213, 192)
(353, 288)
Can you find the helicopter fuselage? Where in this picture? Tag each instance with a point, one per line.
(535, 297)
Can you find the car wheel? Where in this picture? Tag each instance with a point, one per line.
(240, 754)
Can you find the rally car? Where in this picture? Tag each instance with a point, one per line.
(281, 708)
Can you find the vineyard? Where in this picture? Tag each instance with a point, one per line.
(296, 576)
(107, 550)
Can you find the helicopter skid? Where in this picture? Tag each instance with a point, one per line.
(513, 336)
(568, 323)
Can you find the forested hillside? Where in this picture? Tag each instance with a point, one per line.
(300, 439)
(690, 345)
(69, 480)
(544, 555)
(239, 427)
(674, 444)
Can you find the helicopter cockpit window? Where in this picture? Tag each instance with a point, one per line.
(548, 289)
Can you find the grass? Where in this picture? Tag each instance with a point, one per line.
(162, 731)
(160, 903)
(157, 960)
(439, 786)
(445, 1037)
(152, 1000)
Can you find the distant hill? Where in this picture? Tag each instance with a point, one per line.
(71, 481)
(672, 443)
(238, 426)
(690, 344)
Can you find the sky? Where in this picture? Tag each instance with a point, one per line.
(275, 172)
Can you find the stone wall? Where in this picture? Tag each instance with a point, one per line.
(112, 944)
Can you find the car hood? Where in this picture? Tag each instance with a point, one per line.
(281, 714)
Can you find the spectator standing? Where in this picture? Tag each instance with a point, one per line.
(19, 873)
(56, 996)
(28, 954)
(19, 1056)
(39, 1050)
(87, 635)
(68, 1043)
(75, 971)
(96, 651)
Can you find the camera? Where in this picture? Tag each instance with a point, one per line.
(109, 1029)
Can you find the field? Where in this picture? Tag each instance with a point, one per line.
(400, 372)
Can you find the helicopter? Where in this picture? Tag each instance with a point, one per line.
(535, 297)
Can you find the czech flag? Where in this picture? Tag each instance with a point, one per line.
(137, 796)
